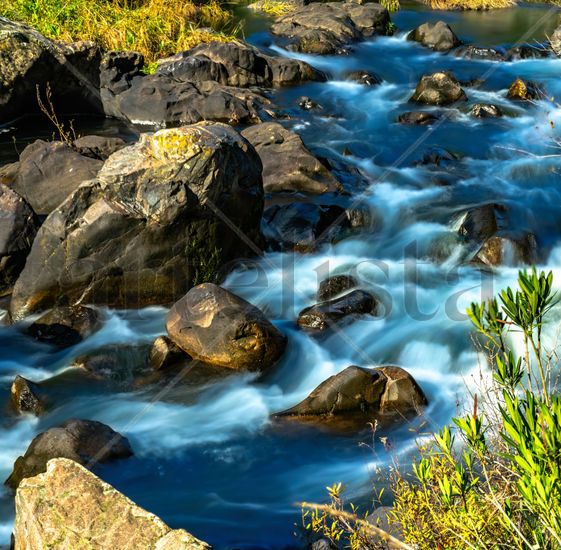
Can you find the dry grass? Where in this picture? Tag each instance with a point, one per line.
(469, 4)
(155, 28)
(274, 8)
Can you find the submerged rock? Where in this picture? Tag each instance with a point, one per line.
(50, 171)
(419, 118)
(477, 52)
(68, 507)
(27, 397)
(326, 28)
(364, 77)
(18, 227)
(84, 441)
(436, 156)
(324, 315)
(438, 36)
(486, 110)
(237, 64)
(359, 395)
(65, 326)
(307, 104)
(483, 221)
(215, 326)
(29, 61)
(528, 51)
(287, 164)
(440, 88)
(147, 227)
(524, 90)
(332, 287)
(508, 248)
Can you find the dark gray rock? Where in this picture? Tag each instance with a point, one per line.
(324, 315)
(147, 228)
(165, 353)
(438, 36)
(27, 397)
(65, 326)
(326, 28)
(333, 287)
(236, 64)
(440, 88)
(528, 51)
(84, 441)
(288, 166)
(98, 147)
(18, 227)
(50, 171)
(486, 110)
(436, 156)
(307, 104)
(364, 77)
(219, 328)
(419, 118)
(477, 52)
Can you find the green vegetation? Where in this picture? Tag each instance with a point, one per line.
(274, 8)
(390, 5)
(493, 480)
(155, 28)
(469, 4)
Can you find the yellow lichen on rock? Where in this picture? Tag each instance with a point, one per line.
(178, 144)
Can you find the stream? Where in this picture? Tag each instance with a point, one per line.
(214, 463)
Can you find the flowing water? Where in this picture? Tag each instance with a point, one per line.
(214, 463)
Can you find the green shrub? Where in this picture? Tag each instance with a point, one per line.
(493, 480)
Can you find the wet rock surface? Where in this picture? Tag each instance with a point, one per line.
(165, 353)
(419, 118)
(326, 28)
(84, 441)
(217, 327)
(440, 88)
(288, 166)
(27, 397)
(333, 287)
(486, 110)
(68, 505)
(145, 228)
(437, 36)
(524, 90)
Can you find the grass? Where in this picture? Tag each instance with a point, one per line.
(274, 8)
(492, 480)
(474, 5)
(155, 28)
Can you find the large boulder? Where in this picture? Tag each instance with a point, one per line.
(50, 171)
(29, 63)
(438, 36)
(440, 88)
(361, 395)
(326, 28)
(164, 101)
(68, 507)
(236, 64)
(65, 326)
(215, 326)
(324, 315)
(287, 164)
(84, 441)
(161, 215)
(18, 227)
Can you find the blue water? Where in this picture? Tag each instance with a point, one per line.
(213, 463)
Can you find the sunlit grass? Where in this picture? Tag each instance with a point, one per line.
(274, 8)
(469, 4)
(155, 28)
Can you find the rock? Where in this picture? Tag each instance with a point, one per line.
(28, 60)
(65, 326)
(528, 51)
(9, 173)
(50, 171)
(508, 249)
(236, 64)
(324, 315)
(18, 227)
(364, 77)
(436, 156)
(322, 544)
(362, 393)
(165, 353)
(438, 36)
(147, 229)
(332, 287)
(68, 507)
(303, 226)
(164, 101)
(84, 441)
(524, 90)
(419, 118)
(555, 41)
(477, 52)
(26, 396)
(218, 327)
(440, 88)
(325, 28)
(98, 147)
(307, 104)
(482, 222)
(402, 394)
(288, 166)
(486, 110)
